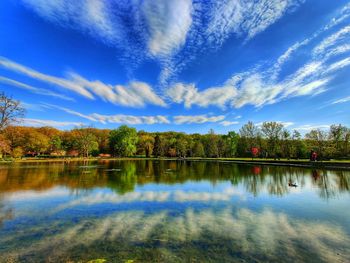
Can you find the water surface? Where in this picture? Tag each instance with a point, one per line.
(172, 211)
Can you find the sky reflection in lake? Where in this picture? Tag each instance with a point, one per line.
(172, 211)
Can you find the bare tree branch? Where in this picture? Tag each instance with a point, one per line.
(11, 111)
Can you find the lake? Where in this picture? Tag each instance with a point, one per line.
(172, 211)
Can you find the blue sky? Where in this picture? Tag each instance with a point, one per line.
(184, 65)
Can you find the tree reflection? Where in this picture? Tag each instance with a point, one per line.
(124, 176)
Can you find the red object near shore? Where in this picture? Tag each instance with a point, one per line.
(255, 151)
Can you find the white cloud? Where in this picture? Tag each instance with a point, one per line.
(343, 100)
(134, 94)
(309, 127)
(287, 55)
(258, 89)
(338, 50)
(117, 118)
(130, 119)
(33, 89)
(169, 23)
(159, 29)
(343, 14)
(255, 89)
(339, 65)
(60, 82)
(284, 123)
(190, 95)
(94, 17)
(69, 111)
(247, 18)
(134, 120)
(332, 40)
(341, 17)
(228, 123)
(183, 119)
(260, 86)
(32, 107)
(40, 123)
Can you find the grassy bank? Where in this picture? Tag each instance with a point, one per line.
(329, 164)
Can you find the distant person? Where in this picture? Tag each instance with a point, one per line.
(313, 156)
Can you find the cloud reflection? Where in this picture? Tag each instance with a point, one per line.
(243, 232)
(153, 196)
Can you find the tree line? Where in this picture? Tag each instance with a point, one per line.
(269, 140)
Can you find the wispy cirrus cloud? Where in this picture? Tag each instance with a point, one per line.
(256, 89)
(190, 95)
(342, 100)
(53, 123)
(32, 89)
(136, 120)
(309, 127)
(261, 86)
(60, 82)
(168, 23)
(159, 29)
(130, 119)
(245, 18)
(133, 94)
(116, 118)
(93, 17)
(189, 119)
(284, 123)
(332, 40)
(228, 123)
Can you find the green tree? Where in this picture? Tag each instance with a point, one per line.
(317, 140)
(181, 145)
(337, 134)
(211, 144)
(198, 149)
(272, 132)
(146, 143)
(85, 141)
(232, 139)
(159, 147)
(298, 146)
(55, 144)
(286, 144)
(123, 141)
(249, 138)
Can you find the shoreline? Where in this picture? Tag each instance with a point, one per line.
(332, 164)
